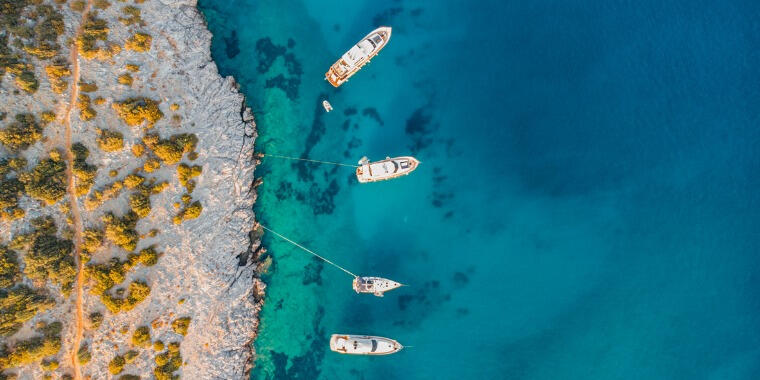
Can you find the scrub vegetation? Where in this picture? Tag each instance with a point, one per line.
(135, 111)
(21, 133)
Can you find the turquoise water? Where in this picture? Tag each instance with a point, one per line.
(587, 206)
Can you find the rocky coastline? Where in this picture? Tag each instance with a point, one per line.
(152, 218)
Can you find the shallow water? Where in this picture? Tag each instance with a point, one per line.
(587, 203)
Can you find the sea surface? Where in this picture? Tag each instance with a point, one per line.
(587, 207)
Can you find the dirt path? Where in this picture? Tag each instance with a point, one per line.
(74, 95)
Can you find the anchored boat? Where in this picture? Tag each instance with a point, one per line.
(364, 345)
(386, 169)
(358, 56)
(374, 285)
(327, 105)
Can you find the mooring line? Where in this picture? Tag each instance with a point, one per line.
(310, 251)
(306, 159)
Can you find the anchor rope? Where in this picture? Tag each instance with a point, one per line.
(310, 251)
(306, 159)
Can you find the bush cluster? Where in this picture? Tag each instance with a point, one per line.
(86, 112)
(18, 305)
(121, 231)
(139, 42)
(168, 362)
(22, 133)
(11, 190)
(9, 267)
(170, 150)
(109, 140)
(34, 349)
(83, 355)
(141, 336)
(56, 72)
(116, 365)
(131, 15)
(99, 196)
(136, 293)
(180, 325)
(133, 68)
(84, 172)
(136, 110)
(96, 319)
(125, 79)
(88, 86)
(94, 30)
(190, 212)
(186, 173)
(48, 257)
(47, 181)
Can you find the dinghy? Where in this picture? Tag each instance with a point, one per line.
(327, 105)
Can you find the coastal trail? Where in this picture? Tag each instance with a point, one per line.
(71, 189)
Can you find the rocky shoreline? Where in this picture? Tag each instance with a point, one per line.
(203, 294)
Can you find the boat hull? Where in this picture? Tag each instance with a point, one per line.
(374, 285)
(342, 69)
(363, 345)
(384, 170)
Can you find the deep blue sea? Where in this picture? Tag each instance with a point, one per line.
(588, 204)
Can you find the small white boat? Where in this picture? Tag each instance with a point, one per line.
(374, 285)
(386, 169)
(364, 345)
(358, 56)
(327, 105)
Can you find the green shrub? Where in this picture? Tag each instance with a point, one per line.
(158, 345)
(185, 173)
(131, 15)
(148, 256)
(170, 151)
(84, 172)
(92, 239)
(47, 181)
(180, 326)
(116, 365)
(133, 68)
(130, 356)
(34, 349)
(18, 305)
(11, 190)
(49, 258)
(47, 117)
(96, 319)
(55, 73)
(134, 111)
(22, 133)
(101, 4)
(125, 79)
(129, 377)
(138, 291)
(86, 112)
(133, 180)
(140, 204)
(29, 83)
(110, 141)
(88, 87)
(191, 212)
(141, 336)
(49, 365)
(157, 188)
(139, 42)
(138, 149)
(94, 30)
(9, 267)
(162, 358)
(83, 355)
(121, 231)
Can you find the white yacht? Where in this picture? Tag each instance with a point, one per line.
(374, 285)
(358, 56)
(364, 345)
(386, 169)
